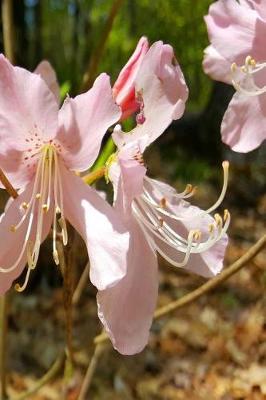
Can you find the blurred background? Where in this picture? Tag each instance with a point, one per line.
(213, 349)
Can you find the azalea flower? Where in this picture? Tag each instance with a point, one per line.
(237, 55)
(124, 86)
(157, 217)
(40, 147)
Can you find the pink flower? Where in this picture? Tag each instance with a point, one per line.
(124, 87)
(40, 147)
(157, 217)
(237, 31)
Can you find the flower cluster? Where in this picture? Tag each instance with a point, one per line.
(237, 55)
(43, 146)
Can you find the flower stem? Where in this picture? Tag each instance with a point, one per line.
(206, 287)
(94, 176)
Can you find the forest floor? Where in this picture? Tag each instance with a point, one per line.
(212, 349)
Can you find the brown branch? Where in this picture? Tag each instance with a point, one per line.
(8, 34)
(99, 348)
(90, 75)
(206, 287)
(9, 188)
(50, 374)
(83, 281)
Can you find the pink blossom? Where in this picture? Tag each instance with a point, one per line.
(40, 147)
(157, 217)
(123, 89)
(237, 32)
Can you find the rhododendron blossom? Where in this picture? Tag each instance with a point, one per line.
(157, 217)
(237, 55)
(40, 146)
(124, 86)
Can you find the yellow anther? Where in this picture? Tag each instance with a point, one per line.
(56, 257)
(218, 219)
(17, 287)
(38, 196)
(57, 210)
(226, 215)
(45, 207)
(163, 202)
(197, 235)
(233, 67)
(13, 228)
(25, 205)
(225, 164)
(211, 228)
(189, 188)
(253, 62)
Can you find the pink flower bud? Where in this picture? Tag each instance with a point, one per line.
(124, 87)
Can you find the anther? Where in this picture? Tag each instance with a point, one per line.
(25, 205)
(45, 207)
(226, 215)
(38, 196)
(163, 202)
(13, 228)
(218, 219)
(56, 257)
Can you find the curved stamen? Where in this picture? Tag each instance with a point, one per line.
(147, 197)
(244, 75)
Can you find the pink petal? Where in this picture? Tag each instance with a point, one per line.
(126, 309)
(83, 122)
(28, 111)
(243, 125)
(236, 31)
(11, 246)
(124, 87)
(128, 182)
(207, 263)
(216, 66)
(100, 227)
(161, 85)
(258, 5)
(47, 73)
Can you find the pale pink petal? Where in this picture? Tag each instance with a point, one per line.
(207, 263)
(100, 227)
(128, 180)
(243, 125)
(12, 242)
(83, 122)
(236, 31)
(28, 116)
(258, 5)
(126, 310)
(161, 85)
(47, 73)
(216, 65)
(124, 87)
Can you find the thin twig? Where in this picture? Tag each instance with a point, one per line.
(50, 374)
(89, 76)
(3, 337)
(99, 348)
(8, 34)
(83, 281)
(206, 287)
